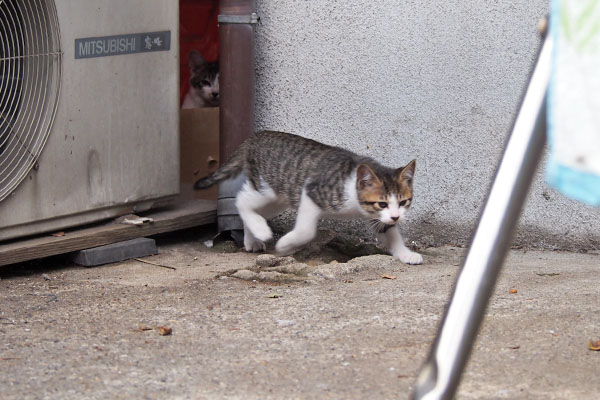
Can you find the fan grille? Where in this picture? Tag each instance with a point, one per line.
(30, 75)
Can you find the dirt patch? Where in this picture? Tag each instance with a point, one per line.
(329, 256)
(270, 268)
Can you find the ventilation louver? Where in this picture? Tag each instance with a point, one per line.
(30, 75)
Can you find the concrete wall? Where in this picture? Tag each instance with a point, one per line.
(439, 81)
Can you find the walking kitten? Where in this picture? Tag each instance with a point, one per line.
(204, 83)
(288, 171)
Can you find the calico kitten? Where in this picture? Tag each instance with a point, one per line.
(285, 170)
(204, 83)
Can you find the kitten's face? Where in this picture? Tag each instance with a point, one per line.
(386, 199)
(204, 79)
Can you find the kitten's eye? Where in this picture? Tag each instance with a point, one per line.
(403, 203)
(205, 82)
(382, 204)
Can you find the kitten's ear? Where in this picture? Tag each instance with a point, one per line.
(195, 59)
(365, 177)
(406, 173)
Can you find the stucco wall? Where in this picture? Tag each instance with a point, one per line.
(439, 81)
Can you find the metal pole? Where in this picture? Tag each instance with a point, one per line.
(236, 77)
(236, 61)
(441, 373)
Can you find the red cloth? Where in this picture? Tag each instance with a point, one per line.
(198, 30)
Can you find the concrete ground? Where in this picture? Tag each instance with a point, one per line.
(283, 330)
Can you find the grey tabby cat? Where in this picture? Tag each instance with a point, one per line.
(285, 170)
(204, 83)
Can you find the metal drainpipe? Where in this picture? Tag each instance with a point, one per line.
(236, 81)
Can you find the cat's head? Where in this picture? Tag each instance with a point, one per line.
(204, 79)
(385, 198)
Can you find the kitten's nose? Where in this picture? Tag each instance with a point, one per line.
(215, 95)
(395, 218)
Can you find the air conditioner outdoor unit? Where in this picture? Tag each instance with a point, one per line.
(89, 111)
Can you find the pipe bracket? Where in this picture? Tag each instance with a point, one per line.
(251, 19)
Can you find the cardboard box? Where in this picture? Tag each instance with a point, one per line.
(199, 143)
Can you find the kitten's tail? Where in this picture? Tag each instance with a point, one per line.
(232, 168)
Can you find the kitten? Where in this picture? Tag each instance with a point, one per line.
(285, 170)
(204, 83)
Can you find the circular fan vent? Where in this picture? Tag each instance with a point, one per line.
(30, 70)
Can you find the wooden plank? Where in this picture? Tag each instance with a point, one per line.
(179, 216)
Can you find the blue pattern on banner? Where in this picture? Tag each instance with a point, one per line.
(579, 185)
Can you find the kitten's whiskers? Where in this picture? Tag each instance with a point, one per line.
(376, 225)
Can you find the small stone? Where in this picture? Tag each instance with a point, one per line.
(295, 268)
(245, 275)
(334, 271)
(272, 276)
(376, 261)
(269, 260)
(266, 260)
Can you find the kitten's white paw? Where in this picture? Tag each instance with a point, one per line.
(285, 247)
(410, 257)
(262, 232)
(254, 245)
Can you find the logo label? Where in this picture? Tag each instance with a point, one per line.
(122, 44)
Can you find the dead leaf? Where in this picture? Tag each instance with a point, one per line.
(274, 296)
(594, 345)
(386, 276)
(143, 328)
(165, 330)
(58, 234)
(512, 291)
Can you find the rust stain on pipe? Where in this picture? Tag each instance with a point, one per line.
(236, 78)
